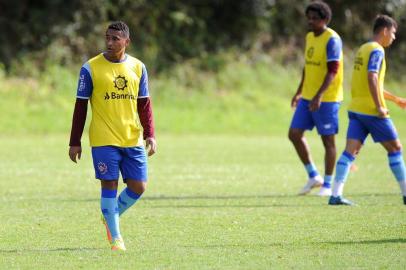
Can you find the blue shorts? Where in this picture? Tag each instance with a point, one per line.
(108, 161)
(325, 118)
(360, 125)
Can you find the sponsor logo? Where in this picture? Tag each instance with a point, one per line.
(375, 60)
(102, 167)
(358, 62)
(310, 52)
(82, 83)
(114, 95)
(120, 82)
(313, 63)
(327, 126)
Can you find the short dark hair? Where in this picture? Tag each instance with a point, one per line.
(320, 8)
(120, 26)
(382, 21)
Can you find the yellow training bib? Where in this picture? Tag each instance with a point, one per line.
(316, 68)
(114, 102)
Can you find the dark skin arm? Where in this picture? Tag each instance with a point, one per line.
(316, 101)
(78, 124)
(298, 93)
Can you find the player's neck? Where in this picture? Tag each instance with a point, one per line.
(378, 39)
(318, 32)
(115, 57)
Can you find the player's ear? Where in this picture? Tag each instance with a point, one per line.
(385, 31)
(127, 42)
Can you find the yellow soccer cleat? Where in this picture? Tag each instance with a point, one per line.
(107, 229)
(118, 244)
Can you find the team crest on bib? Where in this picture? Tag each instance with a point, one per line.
(102, 167)
(120, 82)
(310, 52)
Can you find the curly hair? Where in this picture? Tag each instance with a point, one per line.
(321, 8)
(120, 26)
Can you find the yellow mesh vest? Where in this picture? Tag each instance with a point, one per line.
(361, 98)
(316, 68)
(114, 102)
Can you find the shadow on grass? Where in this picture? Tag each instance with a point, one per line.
(287, 244)
(217, 197)
(46, 250)
(367, 242)
(228, 197)
(271, 205)
(237, 197)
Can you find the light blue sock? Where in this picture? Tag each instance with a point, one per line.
(343, 167)
(109, 208)
(311, 170)
(327, 181)
(126, 199)
(397, 165)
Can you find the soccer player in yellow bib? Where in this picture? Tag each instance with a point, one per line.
(319, 95)
(117, 86)
(367, 111)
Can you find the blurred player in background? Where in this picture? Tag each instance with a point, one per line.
(318, 97)
(368, 113)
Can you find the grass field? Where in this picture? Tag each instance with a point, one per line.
(213, 202)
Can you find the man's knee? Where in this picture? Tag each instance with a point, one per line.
(136, 186)
(329, 142)
(109, 184)
(397, 147)
(393, 146)
(295, 135)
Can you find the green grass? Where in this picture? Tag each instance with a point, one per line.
(213, 202)
(220, 197)
(243, 95)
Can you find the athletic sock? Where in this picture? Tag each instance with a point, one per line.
(402, 185)
(327, 181)
(126, 199)
(343, 166)
(109, 208)
(337, 190)
(311, 170)
(397, 165)
(342, 170)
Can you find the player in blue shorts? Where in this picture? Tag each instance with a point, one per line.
(368, 113)
(117, 86)
(318, 97)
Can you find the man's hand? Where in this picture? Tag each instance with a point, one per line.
(75, 151)
(382, 112)
(315, 103)
(295, 100)
(150, 144)
(401, 102)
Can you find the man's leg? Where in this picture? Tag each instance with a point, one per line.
(134, 170)
(296, 136)
(109, 207)
(129, 195)
(397, 163)
(342, 170)
(329, 163)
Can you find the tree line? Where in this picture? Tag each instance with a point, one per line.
(164, 32)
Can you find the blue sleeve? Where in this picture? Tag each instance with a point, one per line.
(375, 60)
(85, 84)
(334, 49)
(143, 90)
